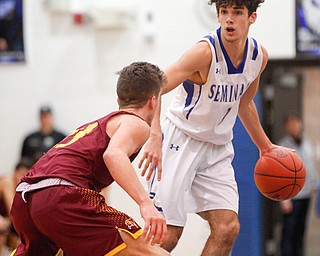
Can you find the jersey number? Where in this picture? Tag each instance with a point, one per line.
(78, 134)
(225, 115)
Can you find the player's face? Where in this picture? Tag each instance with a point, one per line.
(235, 22)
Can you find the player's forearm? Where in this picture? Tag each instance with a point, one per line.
(124, 174)
(250, 120)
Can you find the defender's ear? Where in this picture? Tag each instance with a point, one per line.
(152, 102)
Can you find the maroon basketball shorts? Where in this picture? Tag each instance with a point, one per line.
(77, 220)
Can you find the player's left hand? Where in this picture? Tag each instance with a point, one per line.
(155, 227)
(273, 147)
(151, 159)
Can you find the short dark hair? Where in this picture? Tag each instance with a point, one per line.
(137, 83)
(251, 5)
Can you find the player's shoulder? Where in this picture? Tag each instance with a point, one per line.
(131, 121)
(134, 119)
(264, 52)
(259, 45)
(135, 126)
(265, 57)
(208, 41)
(200, 54)
(202, 48)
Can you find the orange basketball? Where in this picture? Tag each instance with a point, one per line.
(279, 174)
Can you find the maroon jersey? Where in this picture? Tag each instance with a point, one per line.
(78, 158)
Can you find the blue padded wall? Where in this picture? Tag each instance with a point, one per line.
(250, 239)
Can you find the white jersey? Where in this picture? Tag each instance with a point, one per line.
(208, 112)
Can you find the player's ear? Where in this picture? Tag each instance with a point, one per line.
(253, 18)
(152, 102)
(118, 101)
(218, 17)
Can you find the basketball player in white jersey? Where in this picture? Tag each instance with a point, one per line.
(217, 80)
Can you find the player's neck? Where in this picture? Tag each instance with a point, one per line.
(136, 111)
(235, 50)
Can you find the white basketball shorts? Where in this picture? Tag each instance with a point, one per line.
(197, 176)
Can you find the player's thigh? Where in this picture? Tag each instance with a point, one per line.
(214, 186)
(181, 157)
(71, 215)
(138, 247)
(34, 241)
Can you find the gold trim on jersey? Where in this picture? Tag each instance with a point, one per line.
(116, 250)
(123, 245)
(134, 235)
(58, 252)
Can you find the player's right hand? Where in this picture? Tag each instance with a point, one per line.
(152, 157)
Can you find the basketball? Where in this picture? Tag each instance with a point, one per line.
(279, 174)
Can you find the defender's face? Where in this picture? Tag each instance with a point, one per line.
(235, 22)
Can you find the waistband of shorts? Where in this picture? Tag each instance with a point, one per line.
(25, 187)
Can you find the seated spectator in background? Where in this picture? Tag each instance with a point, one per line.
(295, 211)
(39, 142)
(8, 237)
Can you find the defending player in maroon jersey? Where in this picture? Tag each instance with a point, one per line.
(58, 204)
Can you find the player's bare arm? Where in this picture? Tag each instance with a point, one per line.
(130, 134)
(193, 65)
(248, 113)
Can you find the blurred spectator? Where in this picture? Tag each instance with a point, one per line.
(39, 142)
(8, 237)
(4, 232)
(295, 211)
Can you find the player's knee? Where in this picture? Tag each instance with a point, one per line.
(227, 231)
(157, 251)
(234, 229)
(170, 242)
(173, 235)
